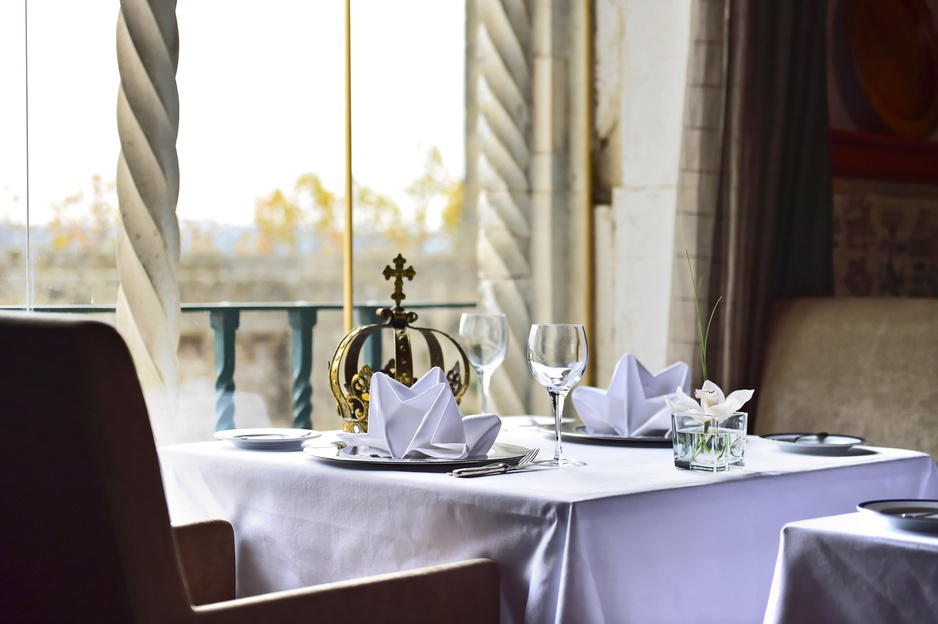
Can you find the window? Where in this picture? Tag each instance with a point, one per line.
(261, 150)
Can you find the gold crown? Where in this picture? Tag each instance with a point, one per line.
(350, 382)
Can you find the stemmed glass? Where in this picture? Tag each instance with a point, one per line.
(485, 339)
(557, 357)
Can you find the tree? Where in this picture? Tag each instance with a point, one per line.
(437, 190)
(92, 227)
(277, 218)
(435, 203)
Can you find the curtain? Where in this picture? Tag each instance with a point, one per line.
(772, 234)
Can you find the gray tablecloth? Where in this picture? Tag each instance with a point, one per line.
(854, 569)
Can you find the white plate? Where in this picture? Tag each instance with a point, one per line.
(815, 443)
(507, 453)
(907, 514)
(572, 431)
(270, 439)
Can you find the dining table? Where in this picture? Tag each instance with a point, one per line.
(626, 538)
(854, 568)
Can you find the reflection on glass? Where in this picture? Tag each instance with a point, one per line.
(485, 340)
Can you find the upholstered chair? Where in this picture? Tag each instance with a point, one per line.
(858, 366)
(85, 534)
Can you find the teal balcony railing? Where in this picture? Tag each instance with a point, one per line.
(224, 319)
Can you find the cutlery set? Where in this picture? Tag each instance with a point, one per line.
(526, 461)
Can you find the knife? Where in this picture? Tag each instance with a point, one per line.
(489, 469)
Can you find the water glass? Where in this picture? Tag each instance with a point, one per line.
(557, 357)
(484, 338)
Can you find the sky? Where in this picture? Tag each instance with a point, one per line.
(261, 89)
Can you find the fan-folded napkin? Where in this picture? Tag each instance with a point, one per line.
(634, 405)
(421, 421)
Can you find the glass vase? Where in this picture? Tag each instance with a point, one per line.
(709, 443)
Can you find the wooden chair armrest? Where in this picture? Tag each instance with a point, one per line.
(459, 593)
(206, 554)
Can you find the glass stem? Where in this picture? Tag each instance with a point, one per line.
(485, 380)
(556, 400)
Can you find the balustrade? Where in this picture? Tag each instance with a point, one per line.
(225, 318)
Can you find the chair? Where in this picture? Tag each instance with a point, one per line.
(859, 366)
(85, 534)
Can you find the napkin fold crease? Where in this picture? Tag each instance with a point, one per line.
(421, 421)
(635, 404)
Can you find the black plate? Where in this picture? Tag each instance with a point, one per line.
(579, 433)
(815, 443)
(908, 514)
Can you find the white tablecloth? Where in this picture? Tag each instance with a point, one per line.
(627, 538)
(853, 568)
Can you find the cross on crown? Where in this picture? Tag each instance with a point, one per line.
(399, 273)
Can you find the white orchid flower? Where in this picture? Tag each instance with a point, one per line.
(683, 404)
(712, 401)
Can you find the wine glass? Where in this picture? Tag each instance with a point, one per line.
(557, 357)
(485, 339)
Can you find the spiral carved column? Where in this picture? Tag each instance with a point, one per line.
(148, 187)
(502, 52)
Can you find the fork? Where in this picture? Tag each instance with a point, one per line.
(498, 467)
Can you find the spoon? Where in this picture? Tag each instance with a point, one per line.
(819, 436)
(919, 514)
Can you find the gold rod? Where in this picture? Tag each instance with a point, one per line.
(347, 237)
(589, 283)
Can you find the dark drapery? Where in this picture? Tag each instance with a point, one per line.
(773, 230)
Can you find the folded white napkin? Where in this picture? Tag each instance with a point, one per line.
(421, 421)
(634, 405)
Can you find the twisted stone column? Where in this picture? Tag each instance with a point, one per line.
(502, 52)
(148, 187)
